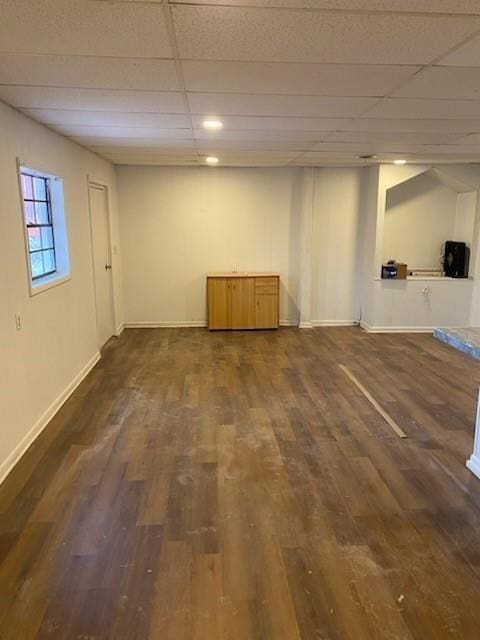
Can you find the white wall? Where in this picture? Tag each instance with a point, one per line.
(414, 304)
(419, 217)
(336, 246)
(465, 218)
(58, 337)
(179, 223)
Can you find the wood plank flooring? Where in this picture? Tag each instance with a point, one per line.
(238, 486)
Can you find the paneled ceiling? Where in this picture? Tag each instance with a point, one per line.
(295, 82)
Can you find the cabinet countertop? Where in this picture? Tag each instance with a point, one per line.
(242, 274)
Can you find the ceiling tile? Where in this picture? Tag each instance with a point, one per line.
(85, 28)
(229, 135)
(167, 161)
(109, 118)
(422, 6)
(319, 158)
(135, 158)
(92, 99)
(133, 144)
(254, 145)
(443, 82)
(473, 138)
(323, 155)
(294, 78)
(88, 72)
(471, 151)
(395, 124)
(243, 104)
(468, 55)
(274, 123)
(123, 132)
(255, 158)
(145, 152)
(234, 33)
(369, 147)
(387, 137)
(411, 108)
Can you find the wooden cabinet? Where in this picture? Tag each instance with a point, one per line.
(242, 301)
(243, 311)
(219, 303)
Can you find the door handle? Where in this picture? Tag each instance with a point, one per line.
(108, 266)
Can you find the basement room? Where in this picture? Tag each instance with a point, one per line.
(240, 320)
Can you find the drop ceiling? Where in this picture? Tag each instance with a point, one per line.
(295, 82)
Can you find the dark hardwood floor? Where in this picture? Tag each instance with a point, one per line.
(239, 486)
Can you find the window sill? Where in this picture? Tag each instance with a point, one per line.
(48, 282)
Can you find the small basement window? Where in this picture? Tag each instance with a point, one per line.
(45, 229)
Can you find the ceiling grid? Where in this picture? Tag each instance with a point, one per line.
(295, 82)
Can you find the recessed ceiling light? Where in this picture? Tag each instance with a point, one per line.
(212, 124)
(399, 162)
(211, 160)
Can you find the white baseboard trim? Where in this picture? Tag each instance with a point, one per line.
(7, 465)
(172, 324)
(373, 329)
(334, 323)
(164, 324)
(473, 463)
(119, 330)
(305, 325)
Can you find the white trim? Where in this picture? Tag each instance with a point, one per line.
(48, 283)
(334, 323)
(96, 184)
(473, 463)
(392, 329)
(305, 325)
(119, 330)
(172, 324)
(167, 324)
(7, 465)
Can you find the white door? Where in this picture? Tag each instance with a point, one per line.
(102, 264)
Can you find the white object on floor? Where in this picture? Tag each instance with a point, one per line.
(473, 463)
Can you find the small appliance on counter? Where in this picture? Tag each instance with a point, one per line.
(456, 259)
(393, 270)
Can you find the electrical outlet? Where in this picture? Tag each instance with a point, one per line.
(18, 321)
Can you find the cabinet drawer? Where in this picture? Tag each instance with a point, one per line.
(273, 280)
(266, 285)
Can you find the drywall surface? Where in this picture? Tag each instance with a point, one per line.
(58, 338)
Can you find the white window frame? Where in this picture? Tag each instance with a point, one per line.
(58, 219)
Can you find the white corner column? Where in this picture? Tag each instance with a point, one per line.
(473, 463)
(306, 230)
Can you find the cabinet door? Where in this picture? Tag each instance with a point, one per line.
(266, 311)
(219, 303)
(243, 294)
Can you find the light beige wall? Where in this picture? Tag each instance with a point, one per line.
(179, 223)
(410, 304)
(336, 245)
(419, 217)
(58, 336)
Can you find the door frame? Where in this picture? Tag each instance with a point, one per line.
(93, 183)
